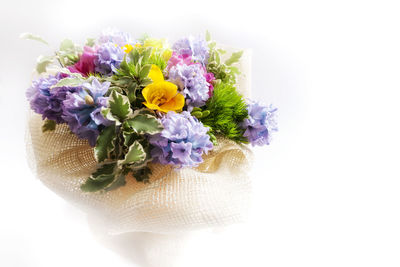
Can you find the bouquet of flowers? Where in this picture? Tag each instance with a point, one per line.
(156, 130)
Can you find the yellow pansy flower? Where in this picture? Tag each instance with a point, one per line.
(162, 95)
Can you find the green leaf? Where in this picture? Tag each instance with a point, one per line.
(119, 105)
(128, 138)
(106, 112)
(146, 54)
(94, 185)
(48, 125)
(90, 42)
(104, 171)
(135, 154)
(234, 58)
(43, 62)
(144, 72)
(142, 175)
(101, 178)
(145, 124)
(134, 56)
(31, 36)
(208, 36)
(104, 144)
(70, 82)
(67, 46)
(118, 182)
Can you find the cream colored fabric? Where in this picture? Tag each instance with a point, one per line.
(217, 193)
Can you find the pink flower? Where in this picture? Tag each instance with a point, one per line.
(85, 65)
(176, 59)
(209, 78)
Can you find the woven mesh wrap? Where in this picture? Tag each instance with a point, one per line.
(216, 193)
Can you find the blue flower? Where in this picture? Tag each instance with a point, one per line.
(260, 124)
(82, 110)
(182, 142)
(192, 83)
(46, 101)
(196, 47)
(108, 58)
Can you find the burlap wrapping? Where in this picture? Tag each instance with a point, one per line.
(216, 193)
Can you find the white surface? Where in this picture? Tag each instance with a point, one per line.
(326, 190)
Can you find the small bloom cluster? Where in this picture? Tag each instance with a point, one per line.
(47, 101)
(191, 80)
(182, 142)
(260, 124)
(82, 110)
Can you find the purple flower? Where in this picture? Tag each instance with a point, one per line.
(108, 58)
(260, 124)
(196, 47)
(182, 142)
(192, 82)
(85, 65)
(82, 110)
(116, 36)
(46, 101)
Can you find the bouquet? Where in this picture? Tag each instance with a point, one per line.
(150, 135)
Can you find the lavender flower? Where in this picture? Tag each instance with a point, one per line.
(196, 47)
(82, 110)
(109, 57)
(192, 82)
(260, 124)
(46, 101)
(182, 142)
(116, 36)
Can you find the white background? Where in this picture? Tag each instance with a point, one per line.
(327, 191)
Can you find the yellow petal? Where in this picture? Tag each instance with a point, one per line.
(176, 103)
(151, 106)
(159, 93)
(127, 48)
(156, 74)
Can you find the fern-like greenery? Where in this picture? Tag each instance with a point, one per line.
(157, 59)
(227, 109)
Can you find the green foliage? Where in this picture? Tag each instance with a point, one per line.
(119, 106)
(104, 143)
(226, 110)
(123, 144)
(224, 72)
(235, 57)
(31, 36)
(158, 60)
(70, 82)
(68, 53)
(135, 154)
(144, 123)
(43, 62)
(132, 76)
(103, 177)
(48, 125)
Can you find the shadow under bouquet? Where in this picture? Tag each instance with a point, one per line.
(151, 137)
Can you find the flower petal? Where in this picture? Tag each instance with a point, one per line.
(176, 103)
(151, 106)
(156, 74)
